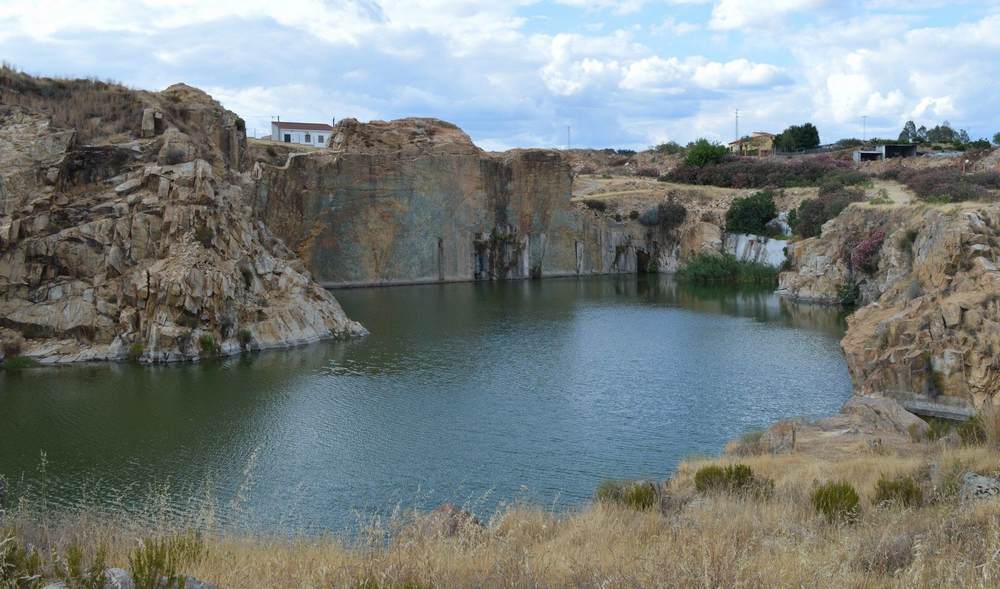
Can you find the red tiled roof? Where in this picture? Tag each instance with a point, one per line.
(304, 126)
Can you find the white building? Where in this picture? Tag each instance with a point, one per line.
(315, 134)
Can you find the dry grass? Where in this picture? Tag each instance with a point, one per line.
(696, 540)
(98, 110)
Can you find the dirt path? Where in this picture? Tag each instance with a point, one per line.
(898, 193)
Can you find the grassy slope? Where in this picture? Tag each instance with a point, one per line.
(694, 541)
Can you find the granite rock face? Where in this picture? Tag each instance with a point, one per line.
(146, 247)
(415, 200)
(928, 285)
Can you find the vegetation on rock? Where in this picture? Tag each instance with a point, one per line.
(716, 268)
(750, 214)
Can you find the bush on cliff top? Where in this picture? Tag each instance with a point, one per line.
(750, 214)
(947, 184)
(808, 219)
(667, 215)
(765, 173)
(638, 495)
(703, 152)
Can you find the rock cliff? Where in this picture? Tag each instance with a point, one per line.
(415, 200)
(926, 279)
(131, 233)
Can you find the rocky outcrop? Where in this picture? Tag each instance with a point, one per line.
(415, 200)
(928, 286)
(148, 247)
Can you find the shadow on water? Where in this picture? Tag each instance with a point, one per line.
(477, 393)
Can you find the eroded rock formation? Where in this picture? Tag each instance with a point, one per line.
(141, 243)
(928, 286)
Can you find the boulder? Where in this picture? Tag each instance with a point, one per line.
(976, 486)
(881, 413)
(115, 578)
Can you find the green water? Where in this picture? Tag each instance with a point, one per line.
(479, 394)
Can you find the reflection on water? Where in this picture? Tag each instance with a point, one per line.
(474, 393)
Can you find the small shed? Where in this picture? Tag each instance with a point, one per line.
(885, 151)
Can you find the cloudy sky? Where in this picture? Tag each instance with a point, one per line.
(625, 73)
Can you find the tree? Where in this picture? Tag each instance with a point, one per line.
(669, 148)
(909, 133)
(797, 138)
(942, 133)
(750, 214)
(996, 139)
(963, 136)
(703, 152)
(922, 134)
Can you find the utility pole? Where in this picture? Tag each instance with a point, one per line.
(864, 127)
(569, 143)
(737, 125)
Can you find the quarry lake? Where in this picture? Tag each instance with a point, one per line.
(481, 394)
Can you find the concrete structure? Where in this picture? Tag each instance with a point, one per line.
(315, 134)
(885, 151)
(758, 144)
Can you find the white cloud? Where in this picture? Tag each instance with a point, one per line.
(672, 75)
(737, 14)
(512, 74)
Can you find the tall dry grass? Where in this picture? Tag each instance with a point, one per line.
(97, 109)
(695, 540)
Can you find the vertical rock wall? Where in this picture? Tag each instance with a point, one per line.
(426, 211)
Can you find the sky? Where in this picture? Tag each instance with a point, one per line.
(520, 73)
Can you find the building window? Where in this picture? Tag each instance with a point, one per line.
(288, 137)
(319, 139)
(308, 138)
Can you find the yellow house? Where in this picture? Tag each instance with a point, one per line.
(758, 144)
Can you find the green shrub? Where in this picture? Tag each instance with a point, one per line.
(703, 152)
(17, 363)
(812, 213)
(158, 558)
(837, 502)
(245, 337)
(907, 239)
(638, 495)
(903, 492)
(750, 214)
(938, 428)
(849, 293)
(204, 235)
(972, 431)
(19, 565)
(667, 215)
(207, 344)
(79, 577)
(736, 479)
(595, 205)
(135, 352)
(713, 268)
(669, 148)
